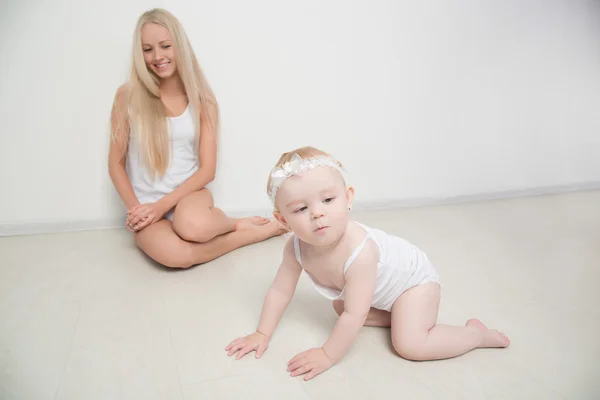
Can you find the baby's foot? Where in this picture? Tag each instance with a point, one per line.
(491, 337)
(250, 222)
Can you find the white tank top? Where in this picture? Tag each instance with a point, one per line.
(183, 161)
(401, 265)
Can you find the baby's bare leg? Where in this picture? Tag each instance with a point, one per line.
(376, 317)
(416, 336)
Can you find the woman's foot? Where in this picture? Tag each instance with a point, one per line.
(270, 229)
(250, 222)
(491, 337)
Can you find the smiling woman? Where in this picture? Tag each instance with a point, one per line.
(165, 66)
(163, 151)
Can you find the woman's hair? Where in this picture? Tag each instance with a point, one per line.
(147, 113)
(303, 152)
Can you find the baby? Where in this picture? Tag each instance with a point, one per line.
(373, 278)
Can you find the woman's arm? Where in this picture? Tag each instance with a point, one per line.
(117, 154)
(207, 153)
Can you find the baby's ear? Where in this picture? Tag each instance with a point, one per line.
(350, 196)
(280, 218)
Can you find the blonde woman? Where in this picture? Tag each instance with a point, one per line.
(163, 150)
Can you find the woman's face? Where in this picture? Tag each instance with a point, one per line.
(157, 47)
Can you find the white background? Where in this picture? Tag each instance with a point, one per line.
(420, 100)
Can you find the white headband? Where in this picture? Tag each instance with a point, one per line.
(296, 166)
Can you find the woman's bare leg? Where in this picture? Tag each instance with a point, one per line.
(196, 219)
(161, 243)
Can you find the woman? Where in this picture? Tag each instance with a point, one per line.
(163, 152)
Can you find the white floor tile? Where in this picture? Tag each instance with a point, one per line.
(87, 316)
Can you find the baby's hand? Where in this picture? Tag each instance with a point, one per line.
(313, 361)
(253, 342)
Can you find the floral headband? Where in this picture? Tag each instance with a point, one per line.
(296, 166)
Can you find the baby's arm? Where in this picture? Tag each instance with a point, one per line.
(276, 301)
(281, 291)
(360, 285)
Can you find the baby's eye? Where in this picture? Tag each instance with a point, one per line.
(328, 200)
(301, 209)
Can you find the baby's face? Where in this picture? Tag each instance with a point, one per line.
(315, 205)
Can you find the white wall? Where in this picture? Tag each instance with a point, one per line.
(420, 100)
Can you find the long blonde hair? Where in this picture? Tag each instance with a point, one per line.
(147, 113)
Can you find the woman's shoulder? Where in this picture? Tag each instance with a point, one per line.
(210, 110)
(123, 91)
(121, 100)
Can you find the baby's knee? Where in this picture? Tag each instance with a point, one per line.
(410, 349)
(338, 306)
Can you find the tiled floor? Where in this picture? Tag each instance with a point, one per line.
(86, 316)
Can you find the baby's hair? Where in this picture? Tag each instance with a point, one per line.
(304, 152)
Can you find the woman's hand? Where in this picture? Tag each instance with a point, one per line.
(144, 215)
(310, 362)
(253, 342)
(129, 227)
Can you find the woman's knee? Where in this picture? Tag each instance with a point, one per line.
(192, 216)
(192, 229)
(201, 198)
(338, 306)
